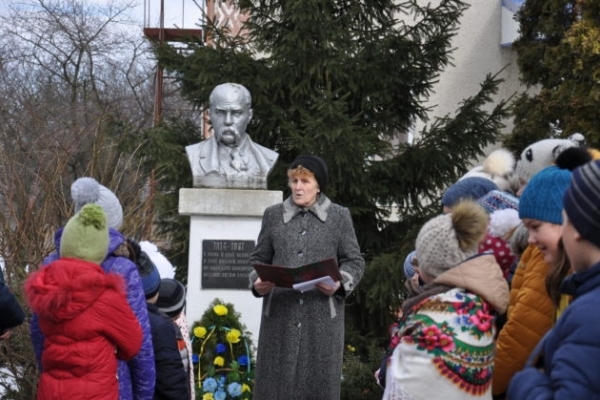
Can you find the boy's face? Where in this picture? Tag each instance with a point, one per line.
(545, 236)
(572, 245)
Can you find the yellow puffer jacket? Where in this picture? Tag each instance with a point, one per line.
(530, 316)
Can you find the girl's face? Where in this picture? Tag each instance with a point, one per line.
(545, 236)
(304, 189)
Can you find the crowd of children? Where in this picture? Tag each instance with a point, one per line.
(541, 338)
(96, 272)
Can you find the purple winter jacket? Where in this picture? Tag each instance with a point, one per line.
(137, 377)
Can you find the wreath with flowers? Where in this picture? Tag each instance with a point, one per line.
(222, 354)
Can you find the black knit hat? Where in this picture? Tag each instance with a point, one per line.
(581, 201)
(314, 164)
(171, 297)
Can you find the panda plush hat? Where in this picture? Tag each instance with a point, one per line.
(542, 154)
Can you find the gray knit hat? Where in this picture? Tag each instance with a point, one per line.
(88, 190)
(449, 239)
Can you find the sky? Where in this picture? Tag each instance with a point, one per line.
(178, 13)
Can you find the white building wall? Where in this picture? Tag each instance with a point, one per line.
(477, 53)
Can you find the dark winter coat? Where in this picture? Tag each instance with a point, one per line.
(564, 365)
(85, 318)
(172, 382)
(136, 377)
(301, 336)
(11, 314)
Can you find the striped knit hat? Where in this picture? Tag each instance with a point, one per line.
(581, 201)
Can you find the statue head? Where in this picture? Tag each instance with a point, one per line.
(230, 113)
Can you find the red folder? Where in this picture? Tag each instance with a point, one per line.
(287, 277)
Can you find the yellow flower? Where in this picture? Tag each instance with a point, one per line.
(351, 348)
(233, 336)
(200, 332)
(219, 361)
(207, 396)
(220, 310)
(245, 388)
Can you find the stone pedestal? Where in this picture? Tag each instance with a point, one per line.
(223, 221)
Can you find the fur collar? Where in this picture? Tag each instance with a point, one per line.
(319, 209)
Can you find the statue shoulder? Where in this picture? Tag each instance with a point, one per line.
(197, 147)
(271, 155)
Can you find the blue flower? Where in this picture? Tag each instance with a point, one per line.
(195, 358)
(220, 395)
(209, 385)
(234, 389)
(221, 348)
(243, 360)
(461, 320)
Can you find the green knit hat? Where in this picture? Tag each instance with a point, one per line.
(86, 235)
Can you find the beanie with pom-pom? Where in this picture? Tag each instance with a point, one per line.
(88, 190)
(447, 240)
(498, 167)
(85, 236)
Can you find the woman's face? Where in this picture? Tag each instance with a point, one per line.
(304, 189)
(545, 236)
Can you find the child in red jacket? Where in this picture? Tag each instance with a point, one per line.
(83, 314)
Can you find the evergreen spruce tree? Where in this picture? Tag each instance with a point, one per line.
(346, 79)
(559, 59)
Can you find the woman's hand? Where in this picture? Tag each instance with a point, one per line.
(263, 288)
(328, 290)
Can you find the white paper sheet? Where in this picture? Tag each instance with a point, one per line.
(310, 285)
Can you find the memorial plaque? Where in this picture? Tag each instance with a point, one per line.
(225, 263)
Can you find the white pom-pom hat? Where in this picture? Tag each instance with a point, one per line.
(89, 191)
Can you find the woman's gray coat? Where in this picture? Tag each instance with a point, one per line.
(301, 338)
